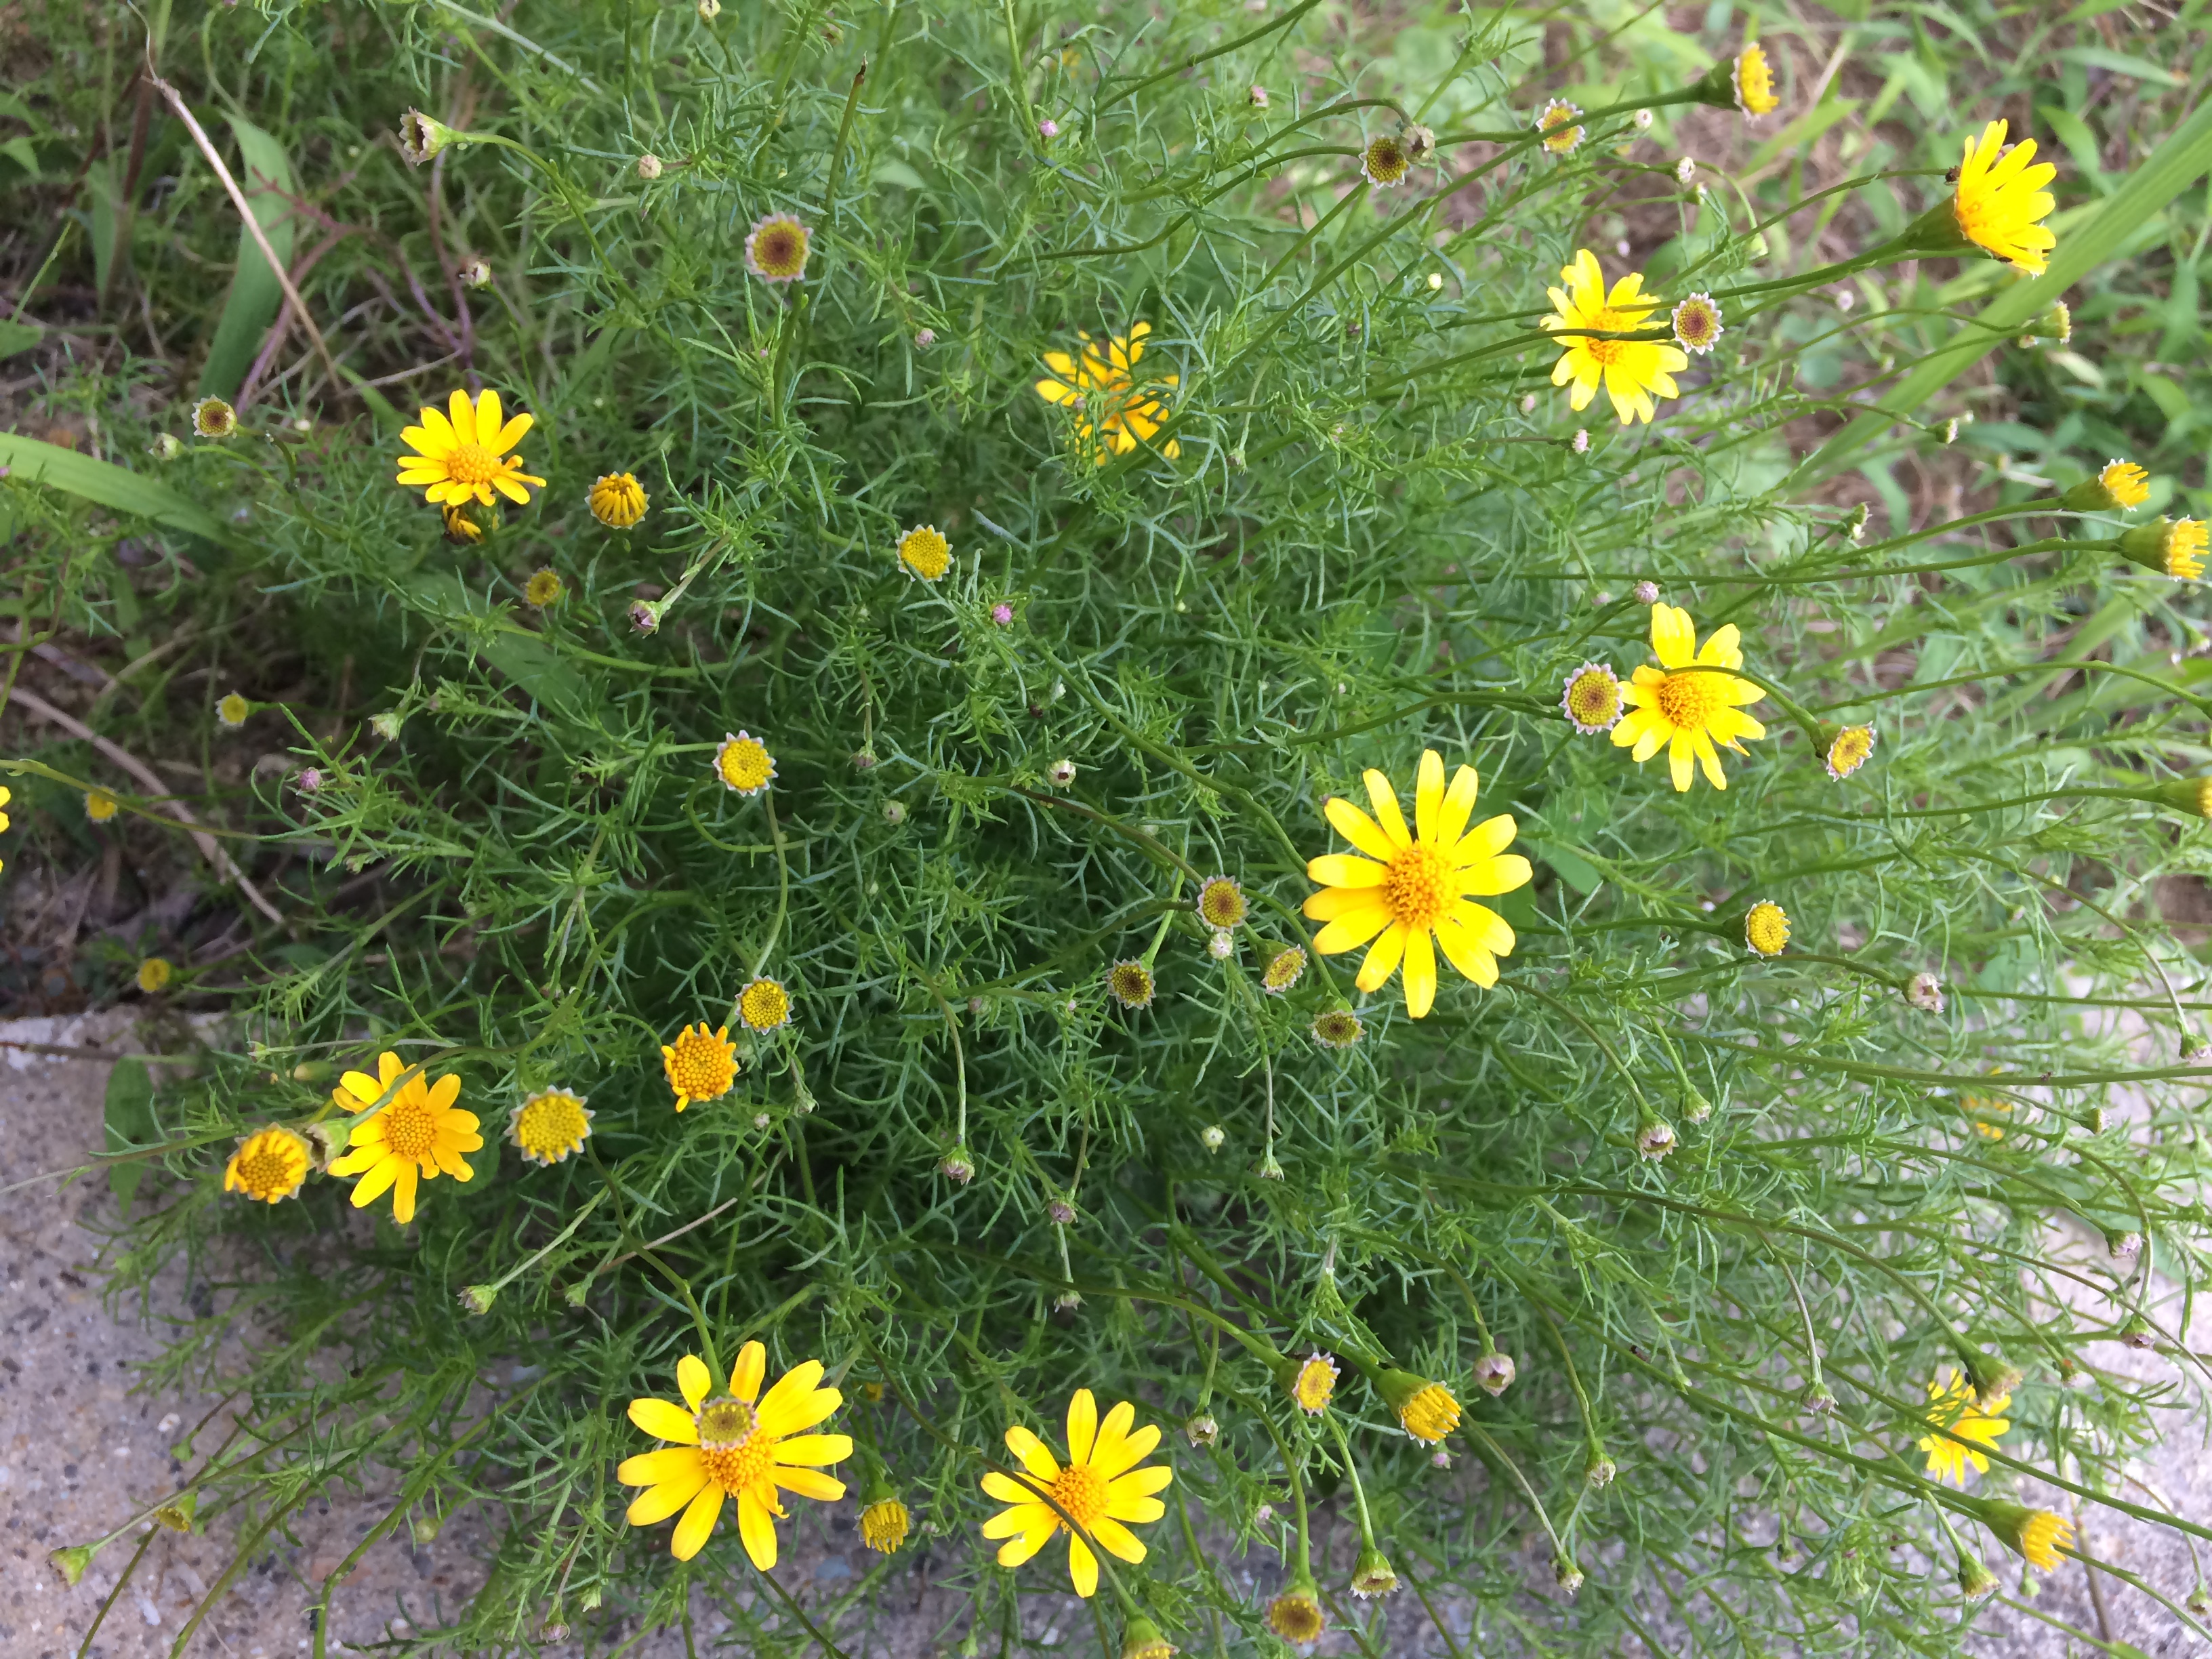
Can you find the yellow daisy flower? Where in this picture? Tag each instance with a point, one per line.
(268, 1166)
(1767, 928)
(1697, 323)
(2172, 547)
(924, 551)
(1956, 1409)
(742, 1445)
(617, 500)
(100, 806)
(1686, 709)
(764, 1004)
(1283, 970)
(6, 795)
(883, 1525)
(743, 763)
(1100, 1490)
(1632, 370)
(544, 588)
(1113, 414)
(776, 248)
(1561, 125)
(1130, 983)
(1591, 699)
(462, 454)
(1313, 1383)
(2037, 1535)
(418, 1130)
(549, 1124)
(1295, 1615)
(1384, 163)
(2128, 485)
(700, 1065)
(2001, 201)
(234, 710)
(461, 528)
(1753, 79)
(1221, 901)
(1850, 750)
(1410, 886)
(154, 975)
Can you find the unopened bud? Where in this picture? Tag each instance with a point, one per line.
(1202, 1430)
(1599, 1471)
(1493, 1371)
(956, 1167)
(649, 167)
(1212, 1137)
(478, 1298)
(422, 137)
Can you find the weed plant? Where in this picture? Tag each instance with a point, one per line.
(1821, 1137)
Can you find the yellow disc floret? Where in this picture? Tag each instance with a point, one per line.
(1754, 82)
(925, 551)
(743, 763)
(617, 500)
(549, 1124)
(700, 1065)
(1767, 928)
(270, 1164)
(764, 1004)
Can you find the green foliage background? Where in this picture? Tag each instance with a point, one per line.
(1378, 538)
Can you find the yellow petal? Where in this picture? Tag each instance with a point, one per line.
(693, 1380)
(1342, 870)
(1383, 959)
(810, 1483)
(814, 1448)
(1082, 1567)
(663, 1419)
(1352, 929)
(670, 1466)
(1140, 1483)
(462, 415)
(1355, 827)
(757, 1527)
(1487, 839)
(511, 433)
(1082, 1425)
(1031, 1451)
(1006, 1490)
(789, 1397)
(1117, 1539)
(1420, 974)
(1465, 953)
(746, 1371)
(1674, 639)
(658, 1503)
(1129, 1450)
(1494, 875)
(1428, 795)
(1334, 902)
(1385, 801)
(1679, 757)
(1042, 1524)
(698, 1522)
(1489, 929)
(1458, 807)
(403, 1192)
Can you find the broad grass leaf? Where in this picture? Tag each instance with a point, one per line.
(265, 175)
(108, 485)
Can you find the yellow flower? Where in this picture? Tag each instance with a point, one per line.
(214, 418)
(269, 1165)
(1956, 1409)
(1221, 902)
(462, 455)
(1686, 709)
(1426, 1410)
(776, 248)
(1850, 750)
(1112, 412)
(743, 763)
(925, 551)
(1283, 970)
(764, 1004)
(1337, 1028)
(1100, 1490)
(1632, 370)
(233, 710)
(1697, 323)
(1985, 1113)
(417, 1130)
(1560, 125)
(618, 501)
(2172, 547)
(2037, 1535)
(742, 1445)
(544, 588)
(1591, 700)
(883, 1525)
(1313, 1383)
(2001, 200)
(2128, 485)
(1767, 928)
(154, 975)
(549, 1124)
(1130, 984)
(1754, 82)
(701, 1064)
(1295, 1615)
(7, 795)
(100, 806)
(1411, 886)
(1384, 162)
(461, 529)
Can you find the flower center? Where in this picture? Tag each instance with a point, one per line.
(473, 463)
(1420, 886)
(552, 1124)
(701, 1065)
(736, 1455)
(1081, 1492)
(1688, 701)
(727, 1424)
(265, 1171)
(1594, 698)
(411, 1128)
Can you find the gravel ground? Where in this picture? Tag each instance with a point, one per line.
(87, 1444)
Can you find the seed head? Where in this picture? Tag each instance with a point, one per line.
(1926, 992)
(1201, 1430)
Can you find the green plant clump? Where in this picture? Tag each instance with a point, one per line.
(880, 772)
